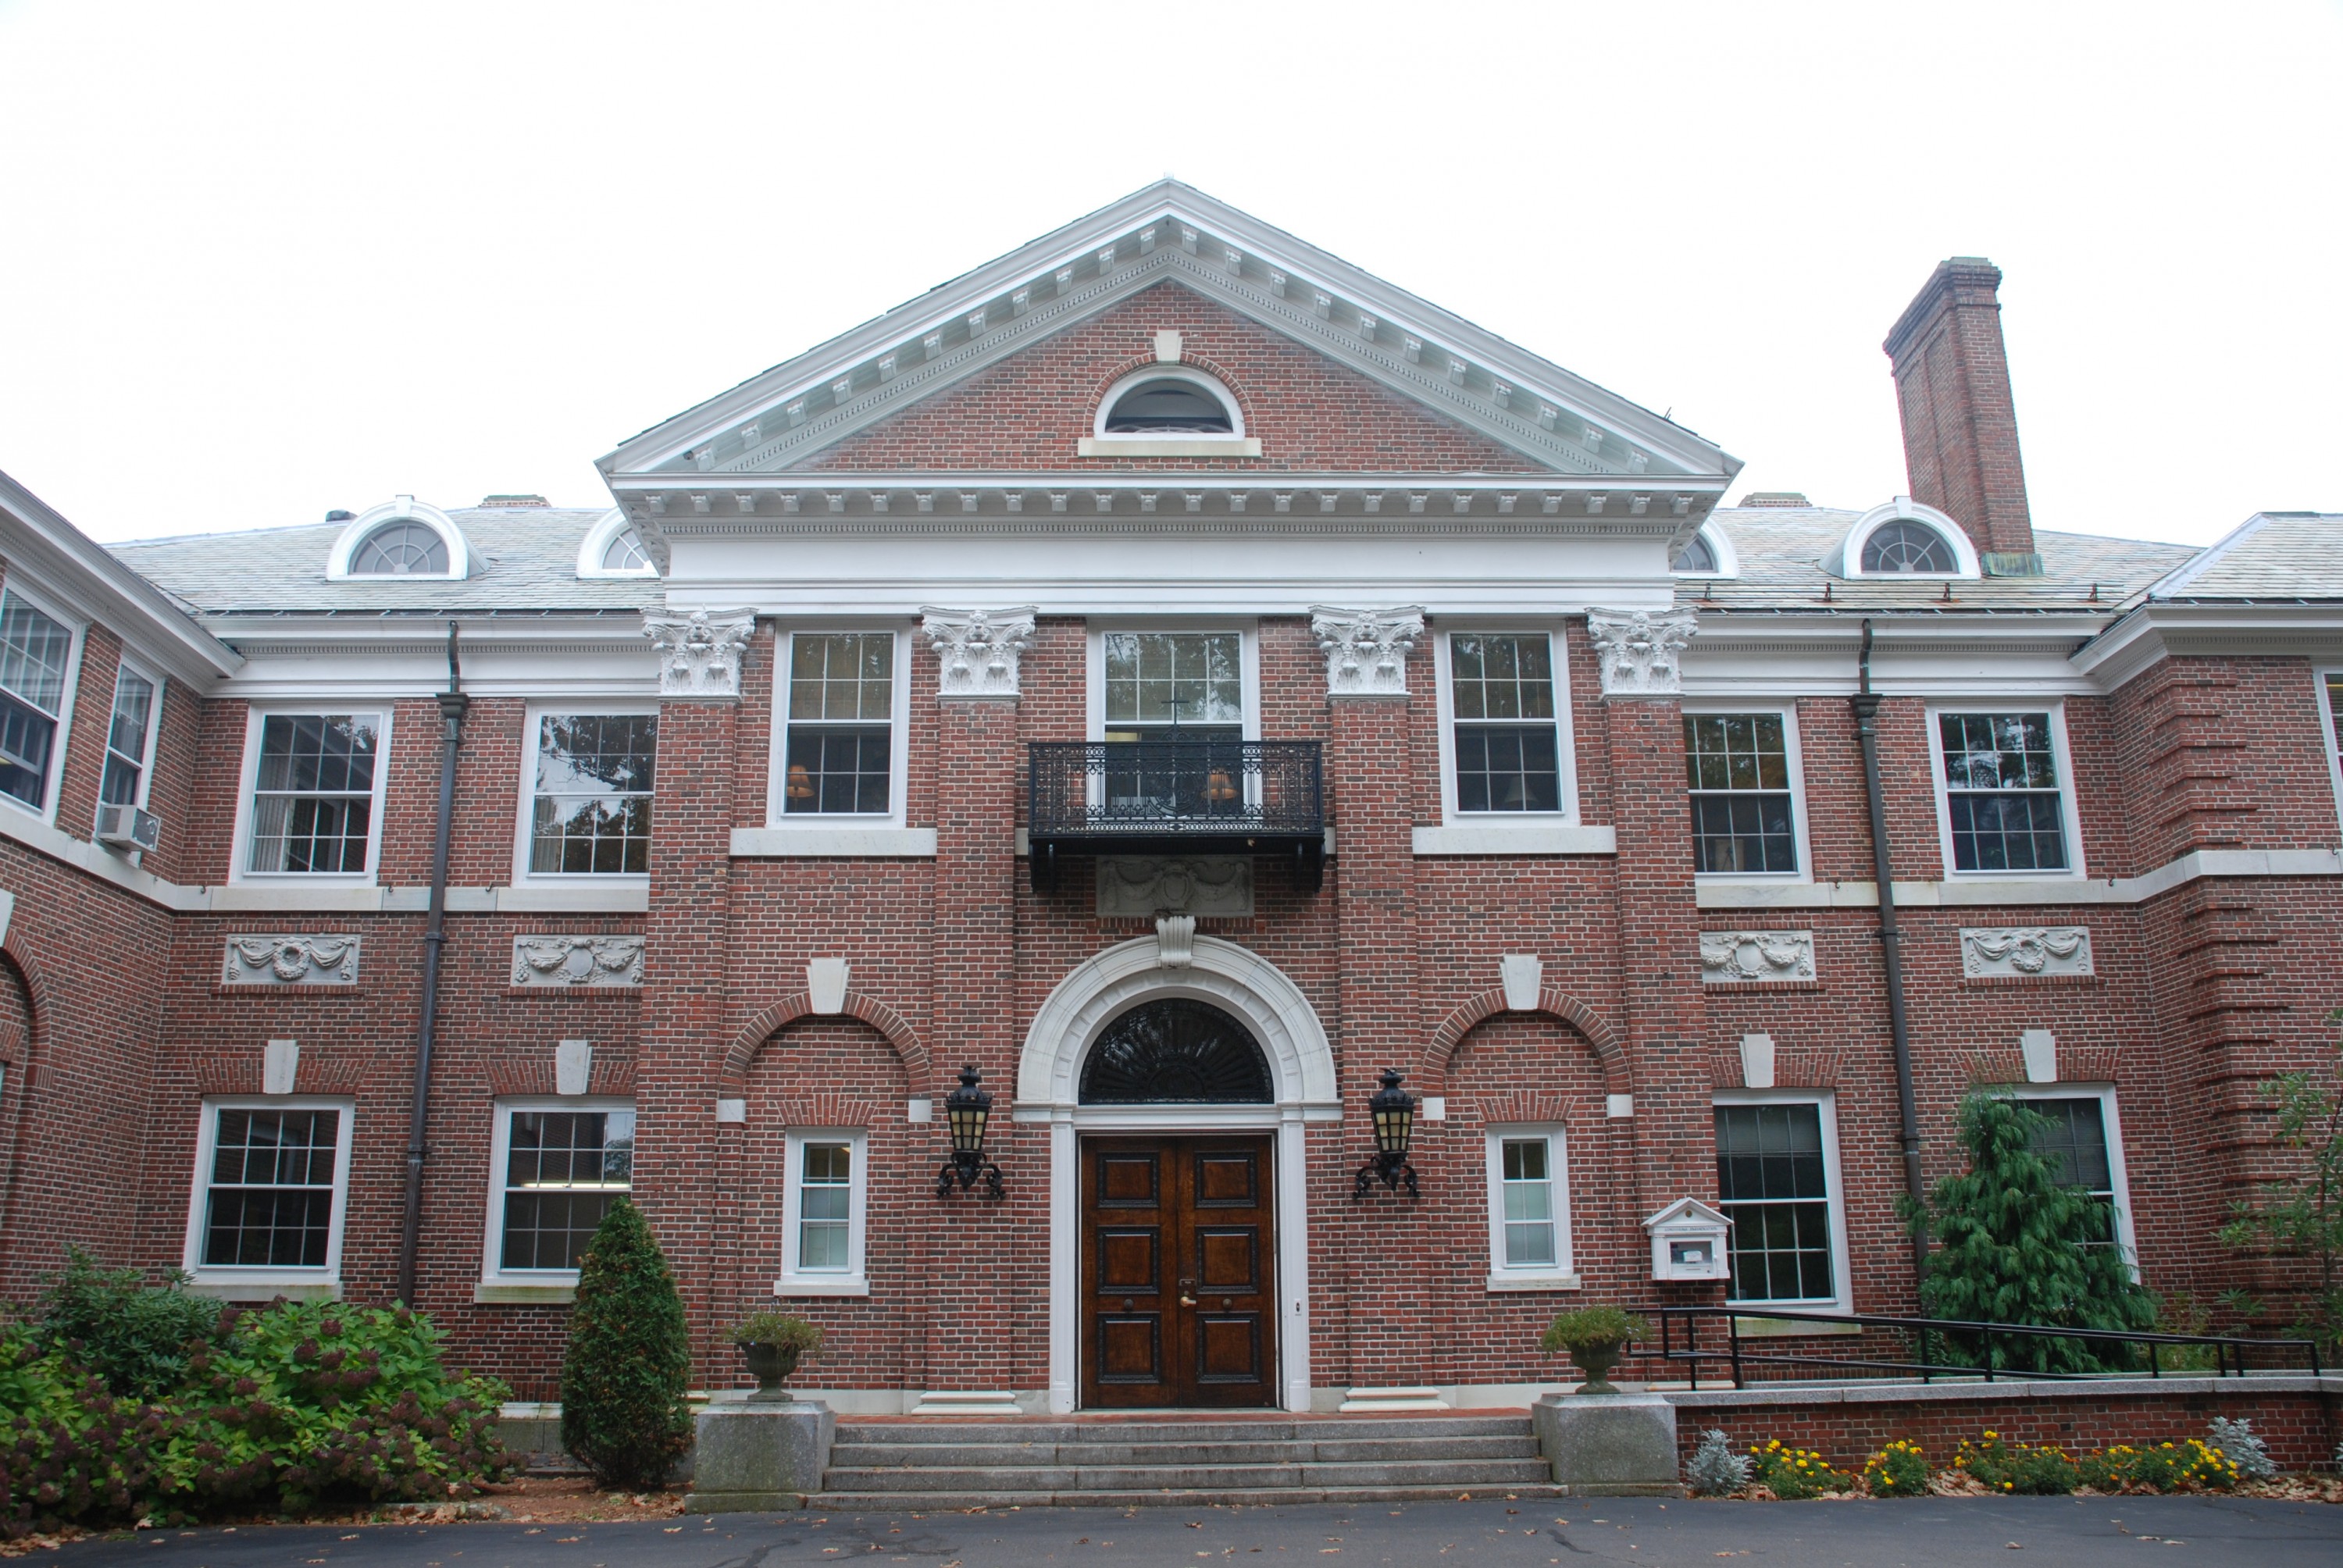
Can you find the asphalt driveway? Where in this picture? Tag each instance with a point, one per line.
(2071, 1533)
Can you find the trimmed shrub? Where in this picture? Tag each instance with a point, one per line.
(623, 1377)
(1899, 1469)
(111, 1322)
(2018, 1469)
(1714, 1470)
(1797, 1473)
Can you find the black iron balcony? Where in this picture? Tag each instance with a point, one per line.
(1211, 797)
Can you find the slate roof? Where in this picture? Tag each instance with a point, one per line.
(526, 560)
(2271, 555)
(1782, 550)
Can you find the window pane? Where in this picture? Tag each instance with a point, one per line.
(842, 676)
(837, 768)
(825, 1208)
(1156, 677)
(134, 706)
(1772, 1186)
(270, 1203)
(2001, 782)
(26, 737)
(2077, 1144)
(562, 1171)
(625, 553)
(1737, 771)
(315, 803)
(34, 652)
(1507, 769)
(592, 813)
(400, 549)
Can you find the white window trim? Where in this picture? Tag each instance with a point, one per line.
(2320, 676)
(403, 509)
(1562, 1274)
(154, 731)
(1834, 1193)
(1235, 443)
(1558, 644)
(1248, 662)
(898, 749)
(2070, 820)
(198, 1206)
(2104, 1093)
(492, 1269)
(239, 865)
(527, 816)
(607, 527)
(77, 643)
(1728, 559)
(1904, 509)
(855, 1280)
(1788, 712)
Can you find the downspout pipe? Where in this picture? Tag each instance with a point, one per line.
(453, 703)
(1891, 946)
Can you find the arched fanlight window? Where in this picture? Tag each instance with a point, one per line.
(1907, 546)
(1176, 1051)
(401, 549)
(625, 553)
(1695, 556)
(1167, 405)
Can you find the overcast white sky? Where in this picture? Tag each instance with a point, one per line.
(264, 260)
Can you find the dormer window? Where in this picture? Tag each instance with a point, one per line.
(401, 549)
(1163, 407)
(1707, 554)
(614, 547)
(1696, 557)
(626, 554)
(1904, 546)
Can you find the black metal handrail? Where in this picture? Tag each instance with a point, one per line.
(1736, 1354)
(1203, 796)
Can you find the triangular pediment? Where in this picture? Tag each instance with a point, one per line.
(1556, 422)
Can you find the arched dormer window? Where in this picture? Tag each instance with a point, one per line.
(403, 538)
(1707, 554)
(1904, 538)
(614, 547)
(1169, 410)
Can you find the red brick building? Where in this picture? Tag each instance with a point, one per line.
(1182, 676)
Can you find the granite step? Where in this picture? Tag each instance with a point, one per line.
(901, 1502)
(1341, 1450)
(1446, 1472)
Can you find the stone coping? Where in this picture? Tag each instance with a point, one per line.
(1977, 1390)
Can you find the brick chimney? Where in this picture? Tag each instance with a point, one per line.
(1960, 431)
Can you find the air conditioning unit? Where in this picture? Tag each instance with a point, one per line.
(128, 828)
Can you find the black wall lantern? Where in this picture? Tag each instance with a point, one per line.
(1392, 1110)
(966, 1110)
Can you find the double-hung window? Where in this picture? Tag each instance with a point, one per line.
(271, 1177)
(824, 1183)
(1738, 772)
(590, 794)
(1529, 1209)
(2078, 1143)
(316, 784)
(2004, 809)
(1175, 700)
(129, 739)
(35, 654)
(558, 1166)
(1777, 1181)
(839, 754)
(1505, 736)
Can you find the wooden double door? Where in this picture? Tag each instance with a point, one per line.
(1179, 1265)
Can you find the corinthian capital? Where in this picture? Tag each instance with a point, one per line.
(699, 654)
(977, 649)
(1639, 650)
(1366, 650)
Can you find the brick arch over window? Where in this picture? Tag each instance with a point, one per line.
(761, 1029)
(1560, 1006)
(21, 976)
(1186, 361)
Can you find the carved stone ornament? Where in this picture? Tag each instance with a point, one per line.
(1732, 958)
(291, 961)
(1987, 951)
(1639, 650)
(1150, 885)
(977, 649)
(548, 961)
(1175, 941)
(1366, 650)
(699, 654)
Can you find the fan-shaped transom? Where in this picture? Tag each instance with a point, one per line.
(401, 550)
(1908, 546)
(1175, 1050)
(1168, 406)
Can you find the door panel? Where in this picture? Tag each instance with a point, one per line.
(1178, 1243)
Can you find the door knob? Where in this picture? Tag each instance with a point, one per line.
(1186, 1300)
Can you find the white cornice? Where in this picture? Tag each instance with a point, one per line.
(2152, 632)
(962, 326)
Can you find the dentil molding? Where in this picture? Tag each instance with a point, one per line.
(1733, 957)
(559, 960)
(699, 654)
(281, 960)
(1366, 650)
(1640, 652)
(977, 650)
(1999, 951)
(1149, 884)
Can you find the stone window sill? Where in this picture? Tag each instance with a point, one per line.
(494, 1295)
(812, 1288)
(310, 1289)
(1535, 1282)
(1522, 840)
(834, 843)
(1170, 447)
(1760, 1327)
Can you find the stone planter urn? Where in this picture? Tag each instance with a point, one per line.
(1596, 1361)
(770, 1365)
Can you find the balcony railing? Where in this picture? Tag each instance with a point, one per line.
(1211, 797)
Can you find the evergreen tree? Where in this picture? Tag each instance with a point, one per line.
(623, 1414)
(2016, 1246)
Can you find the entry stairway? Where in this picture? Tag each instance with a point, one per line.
(1120, 1461)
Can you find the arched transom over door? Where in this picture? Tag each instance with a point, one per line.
(1178, 1239)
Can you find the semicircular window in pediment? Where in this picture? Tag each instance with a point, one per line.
(1176, 1051)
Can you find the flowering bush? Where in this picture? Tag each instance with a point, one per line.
(1899, 1469)
(2017, 1469)
(1796, 1472)
(2190, 1466)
